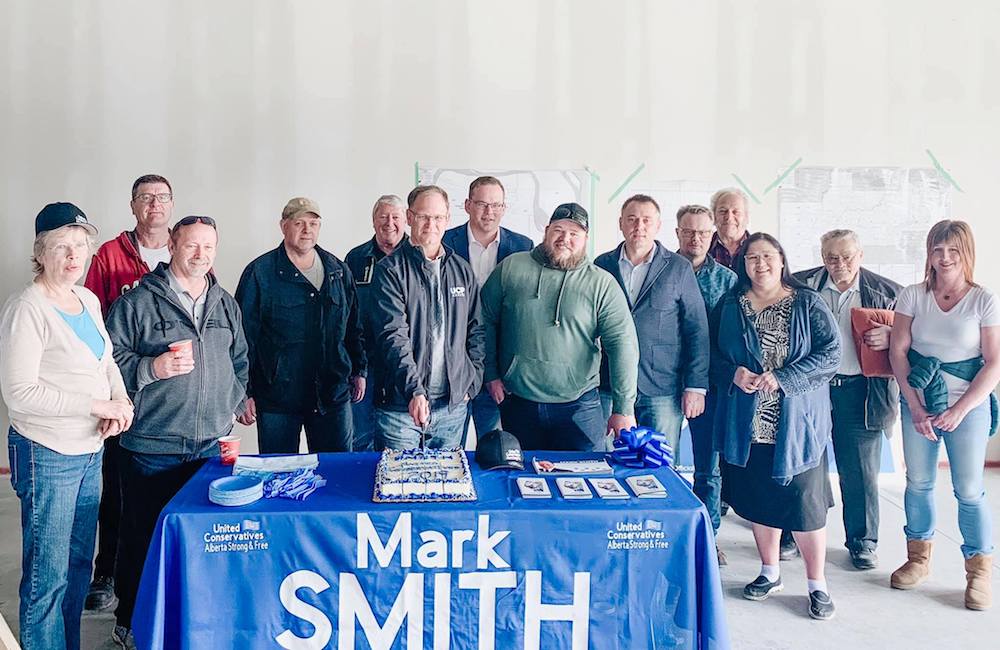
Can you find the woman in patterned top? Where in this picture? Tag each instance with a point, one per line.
(775, 348)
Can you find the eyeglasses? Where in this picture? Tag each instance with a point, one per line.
(149, 198)
(436, 218)
(484, 206)
(767, 258)
(688, 233)
(835, 260)
(193, 219)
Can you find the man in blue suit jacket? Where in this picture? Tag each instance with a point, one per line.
(670, 320)
(484, 244)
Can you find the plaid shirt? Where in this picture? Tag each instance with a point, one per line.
(718, 251)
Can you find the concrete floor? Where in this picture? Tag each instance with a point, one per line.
(869, 613)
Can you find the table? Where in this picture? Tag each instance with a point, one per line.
(339, 571)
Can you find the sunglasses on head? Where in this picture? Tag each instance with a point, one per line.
(193, 219)
(563, 212)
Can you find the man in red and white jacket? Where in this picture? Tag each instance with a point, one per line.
(115, 269)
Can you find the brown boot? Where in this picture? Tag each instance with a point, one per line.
(979, 592)
(917, 567)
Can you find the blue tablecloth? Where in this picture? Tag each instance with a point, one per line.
(339, 571)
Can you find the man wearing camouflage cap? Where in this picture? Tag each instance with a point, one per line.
(306, 346)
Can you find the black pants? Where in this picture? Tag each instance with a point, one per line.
(858, 451)
(149, 481)
(278, 433)
(110, 513)
(570, 426)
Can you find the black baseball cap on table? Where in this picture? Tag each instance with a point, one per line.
(499, 450)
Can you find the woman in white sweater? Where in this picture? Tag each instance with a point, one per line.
(64, 395)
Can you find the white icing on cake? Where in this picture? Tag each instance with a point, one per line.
(423, 475)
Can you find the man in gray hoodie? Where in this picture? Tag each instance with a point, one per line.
(184, 399)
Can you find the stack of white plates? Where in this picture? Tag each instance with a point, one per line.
(235, 490)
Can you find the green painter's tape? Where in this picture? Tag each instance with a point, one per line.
(782, 177)
(594, 178)
(627, 181)
(943, 172)
(416, 173)
(746, 189)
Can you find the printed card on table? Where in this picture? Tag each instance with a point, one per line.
(533, 488)
(608, 488)
(647, 486)
(573, 488)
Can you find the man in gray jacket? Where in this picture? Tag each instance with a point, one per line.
(670, 321)
(430, 345)
(185, 398)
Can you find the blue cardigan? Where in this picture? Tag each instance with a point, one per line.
(805, 425)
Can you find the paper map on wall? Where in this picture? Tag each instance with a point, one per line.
(891, 209)
(531, 195)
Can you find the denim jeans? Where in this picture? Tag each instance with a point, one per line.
(396, 430)
(363, 418)
(149, 482)
(59, 501)
(278, 433)
(110, 514)
(707, 478)
(579, 425)
(859, 454)
(966, 448)
(661, 414)
(484, 412)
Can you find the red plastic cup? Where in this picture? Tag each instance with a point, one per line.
(229, 449)
(185, 345)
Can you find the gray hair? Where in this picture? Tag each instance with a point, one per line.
(840, 233)
(727, 192)
(391, 200)
(42, 241)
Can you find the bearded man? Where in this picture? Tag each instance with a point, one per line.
(548, 314)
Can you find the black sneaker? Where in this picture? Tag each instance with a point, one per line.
(761, 588)
(723, 508)
(789, 550)
(101, 596)
(821, 606)
(864, 559)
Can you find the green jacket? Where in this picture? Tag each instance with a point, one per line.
(545, 328)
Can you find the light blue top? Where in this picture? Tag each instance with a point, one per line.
(84, 327)
(633, 275)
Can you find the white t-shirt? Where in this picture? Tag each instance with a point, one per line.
(153, 256)
(949, 336)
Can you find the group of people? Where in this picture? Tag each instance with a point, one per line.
(129, 380)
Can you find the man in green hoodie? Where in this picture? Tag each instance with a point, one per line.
(548, 313)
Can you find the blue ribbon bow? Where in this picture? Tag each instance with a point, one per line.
(642, 447)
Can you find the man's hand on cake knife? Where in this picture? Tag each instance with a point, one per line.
(420, 411)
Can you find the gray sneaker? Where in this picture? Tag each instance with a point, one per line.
(122, 636)
(821, 606)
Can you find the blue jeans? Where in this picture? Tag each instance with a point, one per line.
(59, 497)
(707, 478)
(579, 425)
(661, 414)
(396, 430)
(966, 448)
(149, 482)
(484, 412)
(278, 433)
(363, 416)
